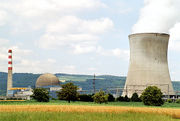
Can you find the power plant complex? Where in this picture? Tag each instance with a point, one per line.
(48, 81)
(148, 64)
(15, 92)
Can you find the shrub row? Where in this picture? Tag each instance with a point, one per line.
(89, 97)
(134, 98)
(171, 101)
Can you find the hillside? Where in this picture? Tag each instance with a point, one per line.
(84, 81)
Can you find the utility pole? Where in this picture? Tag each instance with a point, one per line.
(94, 83)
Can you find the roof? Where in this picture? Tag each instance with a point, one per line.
(47, 80)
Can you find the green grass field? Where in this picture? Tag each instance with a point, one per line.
(67, 116)
(58, 102)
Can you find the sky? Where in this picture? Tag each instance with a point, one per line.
(83, 36)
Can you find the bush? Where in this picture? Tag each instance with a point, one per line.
(53, 99)
(123, 99)
(41, 95)
(100, 97)
(152, 95)
(169, 100)
(120, 98)
(111, 98)
(126, 99)
(68, 92)
(85, 98)
(178, 101)
(135, 98)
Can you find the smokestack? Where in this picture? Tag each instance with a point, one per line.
(148, 64)
(9, 80)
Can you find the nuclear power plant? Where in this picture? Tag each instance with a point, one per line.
(148, 64)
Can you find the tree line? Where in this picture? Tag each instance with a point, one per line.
(152, 95)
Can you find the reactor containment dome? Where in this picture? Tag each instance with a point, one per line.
(47, 80)
(148, 64)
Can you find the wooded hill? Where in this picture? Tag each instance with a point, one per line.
(83, 81)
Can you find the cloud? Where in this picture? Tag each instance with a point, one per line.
(33, 15)
(161, 16)
(59, 21)
(40, 8)
(69, 69)
(117, 52)
(157, 16)
(19, 54)
(92, 69)
(50, 60)
(80, 35)
(34, 66)
(174, 43)
(120, 53)
(3, 17)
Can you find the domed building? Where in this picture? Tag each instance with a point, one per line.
(47, 80)
(50, 82)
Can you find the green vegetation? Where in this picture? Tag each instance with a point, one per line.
(111, 98)
(152, 95)
(100, 97)
(80, 78)
(62, 102)
(68, 92)
(135, 98)
(169, 100)
(178, 101)
(74, 116)
(41, 95)
(85, 97)
(84, 81)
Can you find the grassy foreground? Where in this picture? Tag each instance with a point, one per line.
(87, 111)
(60, 102)
(175, 113)
(75, 116)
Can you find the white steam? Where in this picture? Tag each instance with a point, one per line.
(158, 16)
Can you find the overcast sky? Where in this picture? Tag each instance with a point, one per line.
(83, 36)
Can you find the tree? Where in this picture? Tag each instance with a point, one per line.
(126, 99)
(100, 97)
(68, 92)
(85, 97)
(120, 98)
(111, 98)
(41, 95)
(152, 95)
(135, 98)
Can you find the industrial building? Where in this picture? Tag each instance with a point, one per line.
(148, 64)
(15, 92)
(50, 82)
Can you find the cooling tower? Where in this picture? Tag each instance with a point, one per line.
(148, 64)
(9, 79)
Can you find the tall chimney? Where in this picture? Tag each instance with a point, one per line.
(9, 80)
(148, 64)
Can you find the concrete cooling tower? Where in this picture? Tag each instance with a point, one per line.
(148, 64)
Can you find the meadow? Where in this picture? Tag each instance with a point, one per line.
(76, 116)
(61, 102)
(87, 111)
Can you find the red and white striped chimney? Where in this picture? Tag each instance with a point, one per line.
(10, 60)
(10, 68)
